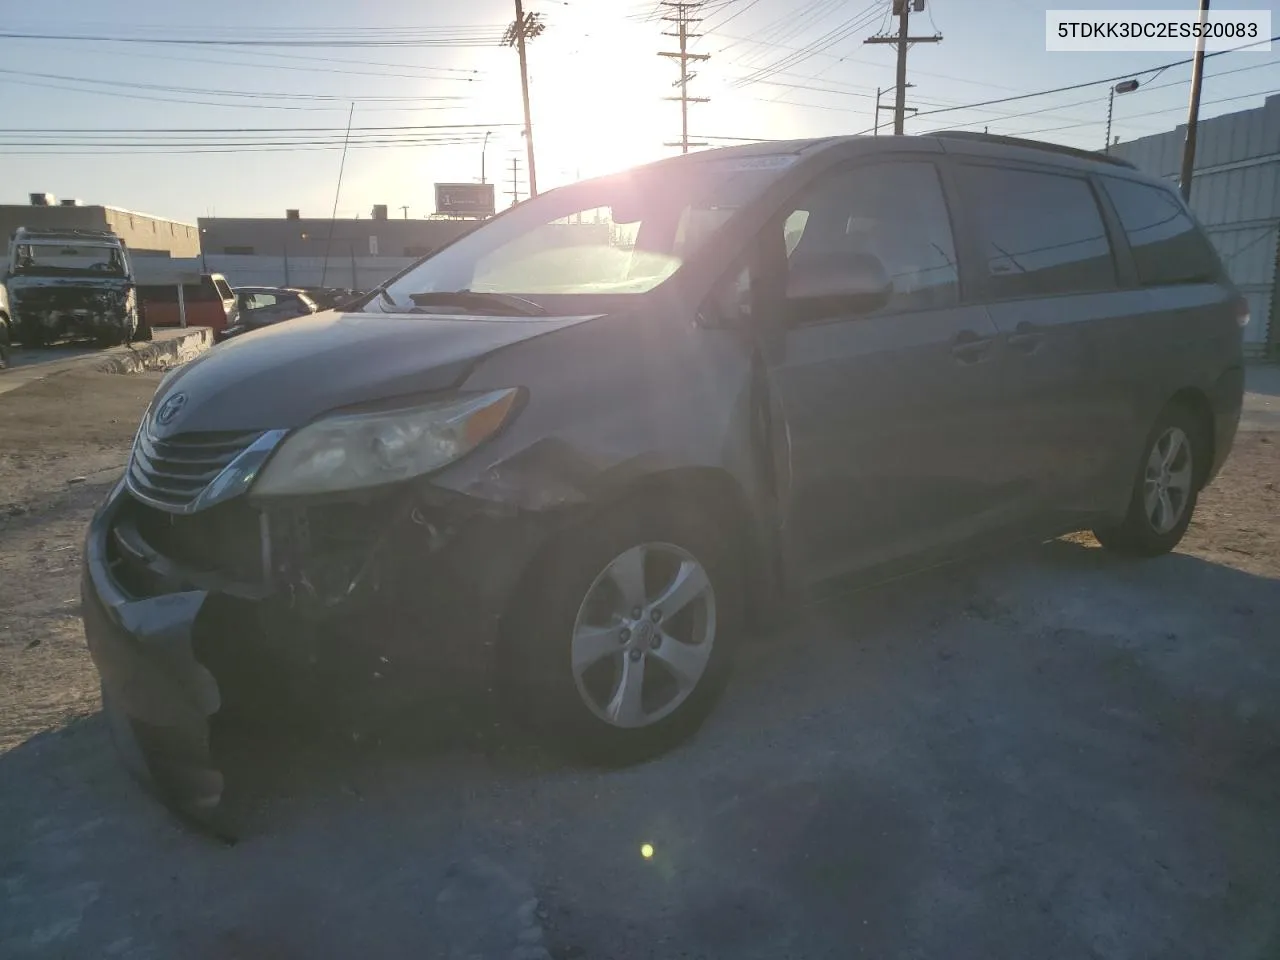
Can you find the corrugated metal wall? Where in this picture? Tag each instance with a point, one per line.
(1236, 195)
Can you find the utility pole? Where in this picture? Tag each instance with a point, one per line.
(879, 108)
(405, 210)
(1193, 109)
(902, 8)
(514, 192)
(682, 20)
(526, 26)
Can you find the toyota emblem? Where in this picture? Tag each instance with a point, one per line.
(170, 409)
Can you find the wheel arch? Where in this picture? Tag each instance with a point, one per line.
(1196, 403)
(710, 491)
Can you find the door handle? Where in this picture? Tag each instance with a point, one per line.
(968, 347)
(1026, 337)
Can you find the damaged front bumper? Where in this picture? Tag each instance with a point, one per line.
(157, 697)
(408, 589)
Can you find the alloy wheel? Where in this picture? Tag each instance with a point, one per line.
(1167, 481)
(643, 635)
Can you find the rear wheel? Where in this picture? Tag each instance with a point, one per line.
(1165, 489)
(622, 645)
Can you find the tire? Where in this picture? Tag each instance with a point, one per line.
(33, 334)
(574, 594)
(142, 333)
(1175, 461)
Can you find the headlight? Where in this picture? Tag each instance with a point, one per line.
(354, 450)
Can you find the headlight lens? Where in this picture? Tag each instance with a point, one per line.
(351, 451)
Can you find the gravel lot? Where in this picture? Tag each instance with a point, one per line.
(1049, 754)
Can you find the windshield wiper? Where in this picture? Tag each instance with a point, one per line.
(493, 304)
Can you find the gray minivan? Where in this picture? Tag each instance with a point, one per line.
(571, 456)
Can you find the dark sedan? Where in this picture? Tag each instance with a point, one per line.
(264, 306)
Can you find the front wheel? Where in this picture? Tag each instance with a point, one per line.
(622, 645)
(1165, 489)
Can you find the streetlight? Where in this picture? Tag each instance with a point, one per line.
(483, 147)
(879, 108)
(1124, 86)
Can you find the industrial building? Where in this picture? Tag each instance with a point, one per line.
(144, 235)
(1236, 195)
(304, 237)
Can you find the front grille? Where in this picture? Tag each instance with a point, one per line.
(225, 539)
(153, 551)
(173, 472)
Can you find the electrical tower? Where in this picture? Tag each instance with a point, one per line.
(524, 27)
(902, 9)
(680, 16)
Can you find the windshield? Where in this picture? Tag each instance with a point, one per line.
(619, 235)
(59, 259)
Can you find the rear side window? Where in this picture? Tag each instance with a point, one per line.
(1167, 245)
(1041, 233)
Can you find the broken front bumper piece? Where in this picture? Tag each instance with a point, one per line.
(157, 697)
(401, 593)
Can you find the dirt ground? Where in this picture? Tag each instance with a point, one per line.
(1050, 754)
(63, 444)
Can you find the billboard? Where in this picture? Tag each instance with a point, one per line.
(464, 199)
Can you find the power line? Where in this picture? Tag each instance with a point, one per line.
(199, 91)
(829, 39)
(476, 39)
(1087, 83)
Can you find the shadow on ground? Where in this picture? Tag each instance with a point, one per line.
(1056, 754)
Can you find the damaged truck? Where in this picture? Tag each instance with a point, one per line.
(70, 283)
(567, 460)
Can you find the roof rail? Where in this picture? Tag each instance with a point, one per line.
(55, 233)
(1031, 145)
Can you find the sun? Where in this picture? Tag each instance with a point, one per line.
(597, 86)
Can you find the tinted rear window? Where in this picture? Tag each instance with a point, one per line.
(1167, 245)
(1041, 233)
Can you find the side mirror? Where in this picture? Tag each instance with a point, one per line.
(836, 285)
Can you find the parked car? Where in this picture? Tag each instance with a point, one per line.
(208, 302)
(70, 283)
(6, 330)
(573, 454)
(331, 298)
(264, 306)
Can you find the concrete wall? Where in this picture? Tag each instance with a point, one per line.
(276, 237)
(1236, 195)
(245, 271)
(144, 234)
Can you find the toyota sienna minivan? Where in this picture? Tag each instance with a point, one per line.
(570, 457)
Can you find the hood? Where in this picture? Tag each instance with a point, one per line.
(287, 374)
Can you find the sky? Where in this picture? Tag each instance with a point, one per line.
(182, 129)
